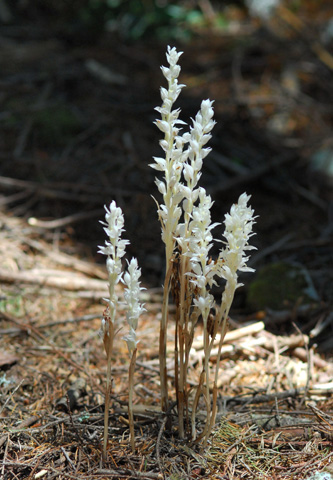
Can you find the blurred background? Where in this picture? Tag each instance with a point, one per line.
(78, 85)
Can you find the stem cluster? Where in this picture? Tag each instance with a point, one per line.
(190, 271)
(186, 231)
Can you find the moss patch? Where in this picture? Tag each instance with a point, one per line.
(55, 125)
(278, 286)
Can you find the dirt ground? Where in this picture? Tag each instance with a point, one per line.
(76, 133)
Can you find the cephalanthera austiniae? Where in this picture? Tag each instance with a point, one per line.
(185, 217)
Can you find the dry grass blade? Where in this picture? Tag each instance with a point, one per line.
(263, 455)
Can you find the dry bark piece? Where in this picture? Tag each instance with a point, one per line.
(69, 402)
(7, 360)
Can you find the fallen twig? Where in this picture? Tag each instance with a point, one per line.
(128, 473)
(62, 222)
(158, 442)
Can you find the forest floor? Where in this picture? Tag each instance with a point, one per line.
(77, 132)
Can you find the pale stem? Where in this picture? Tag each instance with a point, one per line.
(206, 366)
(223, 333)
(108, 349)
(204, 375)
(163, 339)
(182, 338)
(223, 318)
(188, 339)
(180, 399)
(213, 415)
(195, 403)
(106, 412)
(177, 357)
(223, 321)
(130, 399)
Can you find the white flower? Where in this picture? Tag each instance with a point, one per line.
(200, 134)
(131, 340)
(200, 231)
(160, 164)
(132, 292)
(204, 304)
(114, 268)
(173, 146)
(199, 243)
(114, 249)
(114, 223)
(238, 230)
(232, 258)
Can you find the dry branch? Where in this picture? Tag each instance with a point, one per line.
(54, 190)
(53, 278)
(233, 334)
(67, 260)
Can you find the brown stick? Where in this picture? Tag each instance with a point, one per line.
(62, 222)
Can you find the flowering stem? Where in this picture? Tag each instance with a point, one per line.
(204, 376)
(211, 421)
(182, 340)
(131, 280)
(163, 340)
(206, 365)
(195, 403)
(130, 399)
(213, 415)
(106, 409)
(108, 345)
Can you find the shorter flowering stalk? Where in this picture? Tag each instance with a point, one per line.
(238, 230)
(134, 310)
(114, 249)
(202, 277)
(232, 258)
(197, 138)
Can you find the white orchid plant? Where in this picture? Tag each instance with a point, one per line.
(114, 249)
(190, 271)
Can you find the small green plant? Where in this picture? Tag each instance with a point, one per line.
(190, 271)
(12, 304)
